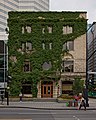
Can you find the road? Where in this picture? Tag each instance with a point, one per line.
(37, 114)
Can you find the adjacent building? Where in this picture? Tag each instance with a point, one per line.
(49, 52)
(91, 58)
(20, 5)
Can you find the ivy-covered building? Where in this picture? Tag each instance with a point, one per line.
(47, 51)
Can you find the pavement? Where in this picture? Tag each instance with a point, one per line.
(46, 105)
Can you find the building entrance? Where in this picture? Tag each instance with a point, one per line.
(47, 89)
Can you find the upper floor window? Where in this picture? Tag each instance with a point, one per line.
(27, 66)
(26, 46)
(26, 29)
(49, 29)
(67, 66)
(46, 29)
(43, 46)
(43, 30)
(67, 29)
(50, 46)
(69, 45)
(47, 46)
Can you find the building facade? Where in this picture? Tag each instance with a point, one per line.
(91, 58)
(49, 52)
(19, 5)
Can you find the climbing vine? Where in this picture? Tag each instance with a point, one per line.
(38, 55)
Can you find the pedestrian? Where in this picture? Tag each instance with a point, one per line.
(20, 96)
(82, 104)
(2, 97)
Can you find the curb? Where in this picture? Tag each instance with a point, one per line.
(45, 108)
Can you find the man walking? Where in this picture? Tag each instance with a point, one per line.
(82, 104)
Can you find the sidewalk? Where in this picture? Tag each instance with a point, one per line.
(46, 105)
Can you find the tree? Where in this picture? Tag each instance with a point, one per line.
(78, 86)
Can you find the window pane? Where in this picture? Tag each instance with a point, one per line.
(1, 61)
(67, 66)
(64, 46)
(28, 46)
(28, 29)
(1, 47)
(22, 30)
(64, 30)
(23, 46)
(50, 46)
(43, 46)
(1, 75)
(26, 66)
(70, 45)
(49, 29)
(43, 30)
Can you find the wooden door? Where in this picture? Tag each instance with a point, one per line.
(47, 91)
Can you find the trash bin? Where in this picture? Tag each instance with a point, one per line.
(75, 103)
(70, 104)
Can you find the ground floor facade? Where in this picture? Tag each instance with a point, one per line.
(48, 88)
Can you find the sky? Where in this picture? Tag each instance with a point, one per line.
(88, 6)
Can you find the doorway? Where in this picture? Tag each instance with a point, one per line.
(47, 89)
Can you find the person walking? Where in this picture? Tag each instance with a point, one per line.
(20, 95)
(82, 104)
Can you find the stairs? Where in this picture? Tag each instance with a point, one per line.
(44, 99)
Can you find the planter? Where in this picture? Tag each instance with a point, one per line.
(70, 104)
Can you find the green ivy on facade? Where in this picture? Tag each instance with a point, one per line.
(38, 56)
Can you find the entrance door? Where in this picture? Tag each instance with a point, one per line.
(47, 91)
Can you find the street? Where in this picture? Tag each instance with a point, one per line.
(37, 114)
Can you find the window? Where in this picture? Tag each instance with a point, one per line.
(43, 30)
(1, 47)
(67, 29)
(26, 29)
(46, 29)
(49, 29)
(67, 66)
(26, 46)
(69, 45)
(50, 46)
(26, 66)
(43, 46)
(23, 30)
(47, 46)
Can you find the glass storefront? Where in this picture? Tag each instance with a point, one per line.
(3, 63)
